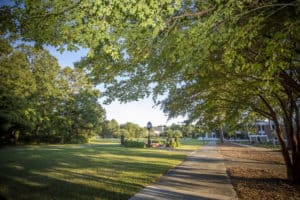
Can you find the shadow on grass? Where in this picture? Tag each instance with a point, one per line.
(55, 172)
(51, 188)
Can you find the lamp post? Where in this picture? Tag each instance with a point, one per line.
(149, 126)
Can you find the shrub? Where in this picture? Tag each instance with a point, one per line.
(172, 142)
(79, 140)
(163, 142)
(131, 143)
(177, 142)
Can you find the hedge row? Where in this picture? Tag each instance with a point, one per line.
(132, 143)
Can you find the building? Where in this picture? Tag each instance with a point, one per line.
(211, 136)
(158, 130)
(265, 132)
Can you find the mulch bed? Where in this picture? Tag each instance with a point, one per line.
(258, 174)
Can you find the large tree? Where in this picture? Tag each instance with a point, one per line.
(217, 62)
(39, 102)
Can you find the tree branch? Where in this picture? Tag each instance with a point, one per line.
(196, 14)
(269, 6)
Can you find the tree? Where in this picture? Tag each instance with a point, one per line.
(188, 130)
(26, 90)
(80, 114)
(16, 85)
(133, 130)
(111, 129)
(247, 62)
(85, 23)
(39, 102)
(171, 133)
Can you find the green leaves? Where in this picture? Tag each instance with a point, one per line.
(212, 58)
(43, 102)
(86, 23)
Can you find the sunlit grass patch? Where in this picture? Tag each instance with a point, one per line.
(190, 144)
(105, 141)
(92, 171)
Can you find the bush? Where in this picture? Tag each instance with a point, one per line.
(163, 142)
(79, 140)
(177, 142)
(131, 143)
(173, 142)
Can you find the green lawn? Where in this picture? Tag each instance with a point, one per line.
(190, 144)
(92, 171)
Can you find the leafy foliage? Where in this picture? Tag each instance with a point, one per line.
(39, 102)
(173, 142)
(110, 129)
(131, 130)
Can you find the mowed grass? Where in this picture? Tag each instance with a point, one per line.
(190, 144)
(91, 171)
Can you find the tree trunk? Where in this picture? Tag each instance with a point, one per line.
(284, 150)
(221, 134)
(293, 161)
(290, 120)
(122, 140)
(296, 167)
(290, 124)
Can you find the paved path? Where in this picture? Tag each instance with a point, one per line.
(201, 176)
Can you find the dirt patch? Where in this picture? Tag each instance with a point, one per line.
(258, 173)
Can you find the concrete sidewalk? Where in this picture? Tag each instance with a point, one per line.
(201, 176)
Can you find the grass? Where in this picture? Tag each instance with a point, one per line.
(190, 144)
(101, 170)
(105, 141)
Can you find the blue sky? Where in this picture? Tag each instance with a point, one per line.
(139, 112)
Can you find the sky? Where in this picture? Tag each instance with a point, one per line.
(139, 112)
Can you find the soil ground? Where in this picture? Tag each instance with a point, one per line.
(258, 173)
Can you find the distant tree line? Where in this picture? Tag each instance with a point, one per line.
(111, 129)
(188, 130)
